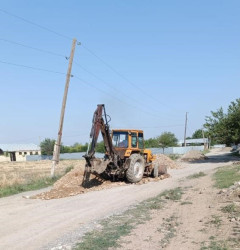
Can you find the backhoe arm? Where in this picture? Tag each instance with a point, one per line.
(98, 124)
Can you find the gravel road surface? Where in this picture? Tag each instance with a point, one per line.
(45, 224)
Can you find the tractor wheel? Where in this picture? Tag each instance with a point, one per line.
(155, 171)
(158, 170)
(136, 168)
(162, 169)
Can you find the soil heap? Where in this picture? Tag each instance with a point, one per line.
(165, 160)
(233, 192)
(72, 183)
(226, 149)
(193, 155)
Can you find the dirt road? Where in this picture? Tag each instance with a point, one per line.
(43, 224)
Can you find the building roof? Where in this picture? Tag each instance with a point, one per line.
(19, 147)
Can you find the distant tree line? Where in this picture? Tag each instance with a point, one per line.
(47, 147)
(166, 139)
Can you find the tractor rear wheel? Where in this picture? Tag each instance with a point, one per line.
(136, 168)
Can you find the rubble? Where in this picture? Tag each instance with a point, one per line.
(193, 155)
(232, 192)
(71, 183)
(165, 160)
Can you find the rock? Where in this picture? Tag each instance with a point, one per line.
(26, 196)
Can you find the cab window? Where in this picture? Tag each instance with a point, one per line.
(120, 139)
(140, 140)
(134, 140)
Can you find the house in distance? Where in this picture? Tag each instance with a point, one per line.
(18, 152)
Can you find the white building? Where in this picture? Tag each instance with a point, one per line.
(190, 142)
(18, 152)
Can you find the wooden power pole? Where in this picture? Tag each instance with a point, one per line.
(57, 145)
(185, 131)
(204, 141)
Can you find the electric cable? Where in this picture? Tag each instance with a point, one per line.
(33, 48)
(116, 98)
(35, 24)
(30, 67)
(91, 52)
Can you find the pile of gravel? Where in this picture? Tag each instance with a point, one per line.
(71, 184)
(166, 161)
(193, 155)
(232, 192)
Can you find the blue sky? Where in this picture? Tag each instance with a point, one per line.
(169, 58)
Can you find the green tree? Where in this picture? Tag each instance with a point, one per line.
(151, 143)
(47, 146)
(167, 139)
(100, 148)
(76, 147)
(224, 128)
(197, 134)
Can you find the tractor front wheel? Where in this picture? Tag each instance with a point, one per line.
(136, 167)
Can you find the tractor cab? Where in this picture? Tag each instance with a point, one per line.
(127, 142)
(131, 139)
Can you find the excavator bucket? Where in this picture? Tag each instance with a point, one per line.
(98, 166)
(94, 166)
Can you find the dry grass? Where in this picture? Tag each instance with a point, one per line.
(12, 173)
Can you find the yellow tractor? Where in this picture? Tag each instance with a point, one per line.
(125, 155)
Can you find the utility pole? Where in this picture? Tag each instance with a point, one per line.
(185, 131)
(204, 140)
(57, 145)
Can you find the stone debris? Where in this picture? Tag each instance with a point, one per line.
(226, 149)
(71, 183)
(232, 192)
(193, 155)
(165, 160)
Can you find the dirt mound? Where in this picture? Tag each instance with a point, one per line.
(71, 184)
(226, 149)
(193, 155)
(231, 193)
(164, 160)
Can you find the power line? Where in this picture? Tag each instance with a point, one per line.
(35, 24)
(107, 84)
(106, 93)
(91, 52)
(123, 77)
(30, 67)
(33, 48)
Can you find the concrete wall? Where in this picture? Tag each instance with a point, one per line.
(176, 150)
(219, 146)
(4, 158)
(72, 156)
(66, 156)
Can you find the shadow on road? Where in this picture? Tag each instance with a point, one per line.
(218, 158)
